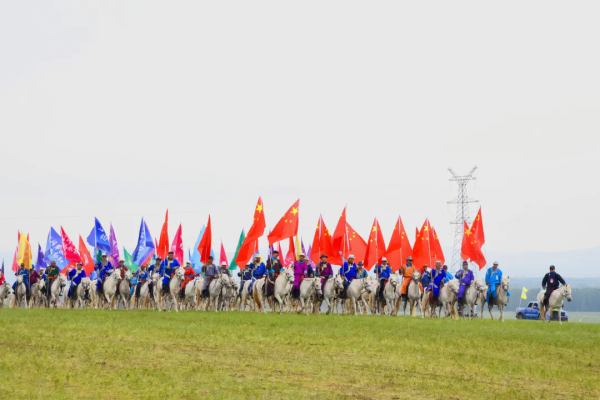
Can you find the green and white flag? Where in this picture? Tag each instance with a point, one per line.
(233, 265)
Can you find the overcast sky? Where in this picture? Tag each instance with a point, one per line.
(123, 109)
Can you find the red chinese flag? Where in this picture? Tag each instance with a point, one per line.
(162, 249)
(340, 237)
(291, 254)
(358, 246)
(437, 248)
(223, 256)
(469, 249)
(375, 247)
(87, 260)
(205, 244)
(287, 226)
(326, 246)
(177, 246)
(477, 230)
(69, 249)
(422, 254)
(399, 248)
(250, 244)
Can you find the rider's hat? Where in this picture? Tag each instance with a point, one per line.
(323, 255)
(360, 263)
(495, 262)
(383, 259)
(223, 263)
(409, 258)
(552, 267)
(350, 256)
(465, 263)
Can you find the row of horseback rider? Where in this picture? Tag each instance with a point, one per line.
(303, 268)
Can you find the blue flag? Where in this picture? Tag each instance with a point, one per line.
(40, 260)
(195, 258)
(2, 266)
(54, 251)
(91, 239)
(102, 242)
(145, 245)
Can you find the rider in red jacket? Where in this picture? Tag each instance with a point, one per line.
(187, 277)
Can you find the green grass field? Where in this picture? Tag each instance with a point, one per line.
(146, 354)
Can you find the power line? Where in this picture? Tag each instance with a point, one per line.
(462, 213)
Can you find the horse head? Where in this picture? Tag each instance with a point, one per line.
(128, 275)
(416, 276)
(289, 275)
(505, 283)
(366, 285)
(225, 281)
(317, 286)
(338, 282)
(62, 280)
(180, 272)
(567, 292)
(394, 280)
(19, 279)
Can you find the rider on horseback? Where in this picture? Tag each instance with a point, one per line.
(211, 271)
(258, 270)
(142, 276)
(437, 282)
(52, 273)
(465, 277)
(274, 268)
(104, 268)
(383, 272)
(188, 276)
(156, 268)
(493, 278)
(168, 267)
(300, 272)
(324, 270)
(245, 275)
(407, 272)
(550, 283)
(25, 272)
(75, 277)
(348, 272)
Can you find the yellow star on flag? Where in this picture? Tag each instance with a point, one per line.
(294, 211)
(259, 208)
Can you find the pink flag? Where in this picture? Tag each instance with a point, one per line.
(114, 256)
(177, 246)
(69, 249)
(15, 265)
(223, 256)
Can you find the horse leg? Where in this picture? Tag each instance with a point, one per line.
(490, 306)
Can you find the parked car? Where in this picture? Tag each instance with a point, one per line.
(532, 311)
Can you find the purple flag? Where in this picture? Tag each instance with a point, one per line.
(3, 266)
(40, 263)
(309, 260)
(114, 248)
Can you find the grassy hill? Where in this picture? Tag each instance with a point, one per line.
(146, 354)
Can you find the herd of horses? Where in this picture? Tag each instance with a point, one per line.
(225, 295)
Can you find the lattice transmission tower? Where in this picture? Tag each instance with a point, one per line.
(462, 213)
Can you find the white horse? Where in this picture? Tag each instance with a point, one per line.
(4, 290)
(174, 287)
(228, 294)
(354, 291)
(20, 293)
(556, 300)
(110, 287)
(329, 293)
(82, 292)
(472, 294)
(245, 299)
(258, 294)
(389, 293)
(309, 287)
(123, 295)
(214, 292)
(448, 298)
(501, 299)
(414, 295)
(282, 288)
(370, 298)
(59, 283)
(36, 294)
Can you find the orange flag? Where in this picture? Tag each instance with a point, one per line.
(375, 247)
(287, 226)
(437, 248)
(86, 258)
(163, 244)
(206, 243)
(250, 244)
(358, 246)
(399, 248)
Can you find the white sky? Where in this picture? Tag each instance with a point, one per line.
(123, 109)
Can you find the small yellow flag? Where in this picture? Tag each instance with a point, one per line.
(524, 293)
